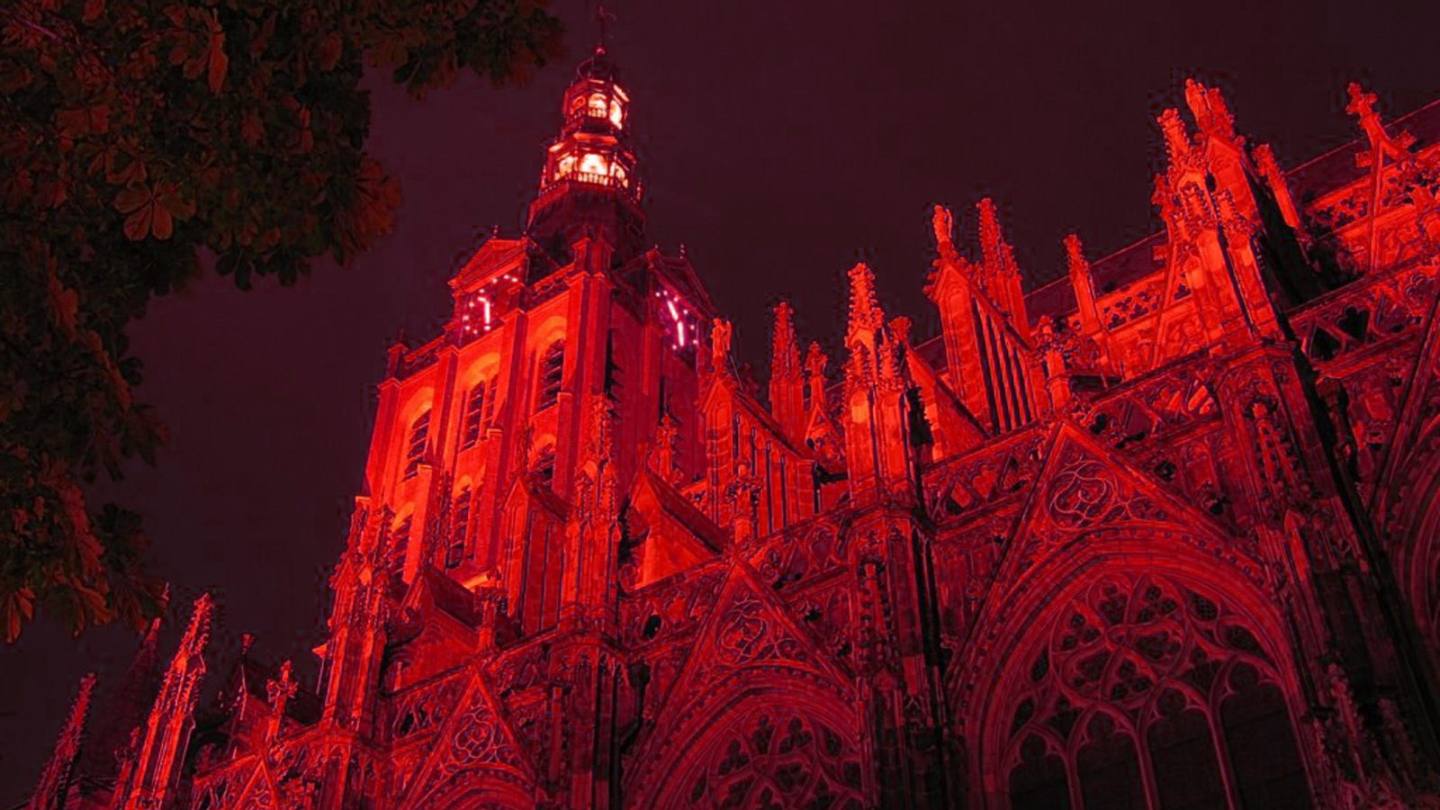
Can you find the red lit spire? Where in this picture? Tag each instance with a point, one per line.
(53, 791)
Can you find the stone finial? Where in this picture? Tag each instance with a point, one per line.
(1212, 114)
(1177, 140)
(900, 327)
(866, 316)
(280, 690)
(784, 350)
(197, 634)
(50, 791)
(1265, 162)
(1362, 106)
(993, 248)
(1078, 268)
(1075, 260)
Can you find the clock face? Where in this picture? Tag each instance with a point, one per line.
(477, 314)
(479, 311)
(682, 325)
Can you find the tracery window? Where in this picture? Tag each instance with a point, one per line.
(1142, 675)
(480, 412)
(475, 404)
(419, 439)
(779, 758)
(552, 373)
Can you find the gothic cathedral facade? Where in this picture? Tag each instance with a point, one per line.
(1162, 534)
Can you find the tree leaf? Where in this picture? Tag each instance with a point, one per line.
(219, 62)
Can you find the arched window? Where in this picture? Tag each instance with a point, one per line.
(599, 106)
(399, 542)
(772, 755)
(489, 418)
(552, 373)
(459, 528)
(419, 439)
(474, 415)
(1144, 674)
(593, 163)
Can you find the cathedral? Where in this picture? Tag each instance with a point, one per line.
(1164, 533)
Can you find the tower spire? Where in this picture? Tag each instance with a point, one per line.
(589, 182)
(54, 786)
(787, 382)
(1001, 273)
(156, 765)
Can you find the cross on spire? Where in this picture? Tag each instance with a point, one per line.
(603, 16)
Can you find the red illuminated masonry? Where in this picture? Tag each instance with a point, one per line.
(1162, 534)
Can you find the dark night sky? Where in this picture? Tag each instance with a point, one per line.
(780, 142)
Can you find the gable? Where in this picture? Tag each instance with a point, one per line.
(476, 737)
(1086, 488)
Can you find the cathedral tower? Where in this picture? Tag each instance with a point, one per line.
(1161, 534)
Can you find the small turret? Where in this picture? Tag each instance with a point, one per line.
(150, 779)
(53, 789)
(999, 270)
(1078, 268)
(989, 357)
(787, 383)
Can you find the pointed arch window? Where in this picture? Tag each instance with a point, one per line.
(595, 165)
(419, 441)
(612, 370)
(1144, 675)
(552, 374)
(479, 407)
(459, 528)
(598, 106)
(399, 542)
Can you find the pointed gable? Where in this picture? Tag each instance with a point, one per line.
(1086, 490)
(495, 257)
(748, 644)
(748, 627)
(476, 737)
